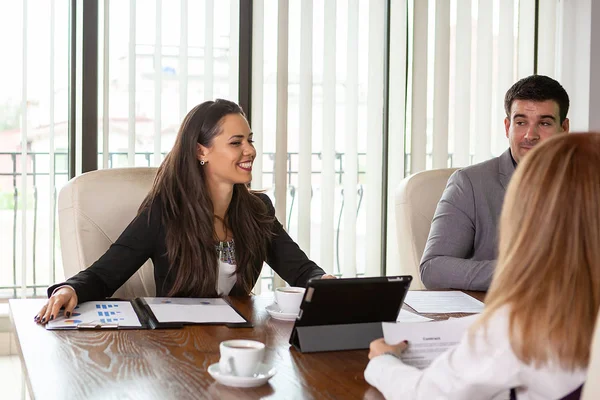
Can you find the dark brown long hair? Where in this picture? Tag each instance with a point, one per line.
(187, 210)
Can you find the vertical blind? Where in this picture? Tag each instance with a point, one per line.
(165, 67)
(465, 55)
(462, 57)
(326, 65)
(329, 114)
(448, 73)
(397, 100)
(24, 155)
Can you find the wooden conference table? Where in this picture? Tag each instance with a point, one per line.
(172, 364)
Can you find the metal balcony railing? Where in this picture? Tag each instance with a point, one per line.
(11, 202)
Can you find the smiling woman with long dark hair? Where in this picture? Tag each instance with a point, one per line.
(205, 231)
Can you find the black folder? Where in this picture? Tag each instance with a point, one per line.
(105, 314)
(346, 314)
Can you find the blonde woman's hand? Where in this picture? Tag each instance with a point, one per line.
(379, 347)
(328, 276)
(63, 297)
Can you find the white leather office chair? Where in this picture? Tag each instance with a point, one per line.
(417, 197)
(591, 389)
(93, 210)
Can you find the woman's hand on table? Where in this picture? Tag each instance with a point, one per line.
(63, 297)
(379, 347)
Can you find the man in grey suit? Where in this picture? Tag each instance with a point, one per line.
(462, 246)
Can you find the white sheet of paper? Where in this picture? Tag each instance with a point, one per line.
(426, 340)
(407, 316)
(437, 302)
(193, 310)
(119, 313)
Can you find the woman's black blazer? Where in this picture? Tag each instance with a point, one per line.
(144, 239)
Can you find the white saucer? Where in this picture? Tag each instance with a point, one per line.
(260, 378)
(274, 312)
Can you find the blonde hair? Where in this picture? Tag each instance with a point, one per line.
(548, 270)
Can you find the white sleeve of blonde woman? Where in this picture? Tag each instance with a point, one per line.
(483, 369)
(479, 367)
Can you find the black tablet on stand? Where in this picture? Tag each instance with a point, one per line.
(346, 314)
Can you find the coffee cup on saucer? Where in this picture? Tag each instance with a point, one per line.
(289, 298)
(241, 357)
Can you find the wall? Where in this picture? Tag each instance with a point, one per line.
(578, 66)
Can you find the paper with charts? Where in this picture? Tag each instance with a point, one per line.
(193, 310)
(427, 340)
(100, 313)
(438, 302)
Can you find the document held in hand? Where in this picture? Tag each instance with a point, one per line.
(150, 313)
(427, 340)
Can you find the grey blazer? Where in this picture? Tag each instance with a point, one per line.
(461, 249)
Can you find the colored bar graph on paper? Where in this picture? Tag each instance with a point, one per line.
(101, 312)
(111, 320)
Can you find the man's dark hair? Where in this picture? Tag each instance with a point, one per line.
(538, 88)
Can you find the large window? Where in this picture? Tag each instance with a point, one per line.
(33, 141)
(158, 60)
(346, 98)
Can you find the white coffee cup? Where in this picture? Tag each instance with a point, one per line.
(289, 298)
(241, 357)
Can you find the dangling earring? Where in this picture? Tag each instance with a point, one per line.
(202, 162)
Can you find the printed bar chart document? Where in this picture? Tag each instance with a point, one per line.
(98, 313)
(439, 302)
(427, 340)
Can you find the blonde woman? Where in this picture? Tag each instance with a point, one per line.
(534, 335)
